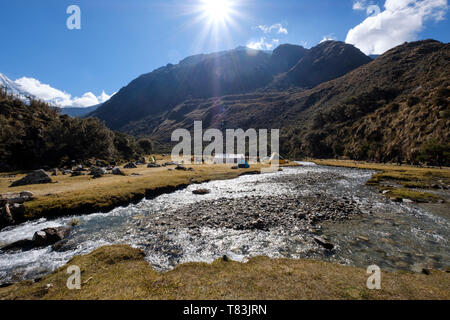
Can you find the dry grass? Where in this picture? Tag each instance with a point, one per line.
(120, 272)
(81, 195)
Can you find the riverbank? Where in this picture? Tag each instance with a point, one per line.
(416, 184)
(83, 195)
(120, 272)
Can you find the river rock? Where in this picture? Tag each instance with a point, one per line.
(153, 165)
(50, 236)
(324, 243)
(181, 168)
(201, 191)
(43, 238)
(407, 201)
(35, 177)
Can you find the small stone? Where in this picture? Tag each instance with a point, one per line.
(407, 201)
(362, 238)
(201, 191)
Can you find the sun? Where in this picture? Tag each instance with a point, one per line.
(217, 10)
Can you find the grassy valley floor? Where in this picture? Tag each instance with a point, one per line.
(120, 272)
(83, 195)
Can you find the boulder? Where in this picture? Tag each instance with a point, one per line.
(181, 168)
(43, 238)
(141, 161)
(97, 172)
(153, 165)
(50, 236)
(6, 217)
(117, 172)
(77, 173)
(14, 197)
(35, 177)
(130, 165)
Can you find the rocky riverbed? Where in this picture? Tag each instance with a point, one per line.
(291, 214)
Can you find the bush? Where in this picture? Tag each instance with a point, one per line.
(435, 153)
(146, 145)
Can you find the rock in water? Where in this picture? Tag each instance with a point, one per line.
(324, 243)
(201, 191)
(50, 236)
(43, 238)
(35, 177)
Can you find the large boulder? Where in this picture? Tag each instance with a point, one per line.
(43, 238)
(130, 165)
(117, 172)
(14, 197)
(35, 177)
(98, 172)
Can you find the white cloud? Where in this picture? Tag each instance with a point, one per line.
(359, 5)
(263, 44)
(400, 21)
(328, 38)
(57, 97)
(277, 27)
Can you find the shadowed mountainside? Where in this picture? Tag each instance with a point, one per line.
(238, 71)
(389, 108)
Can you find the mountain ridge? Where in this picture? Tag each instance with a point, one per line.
(237, 71)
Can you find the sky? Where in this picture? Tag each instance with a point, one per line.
(46, 52)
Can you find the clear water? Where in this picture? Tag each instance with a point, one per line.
(399, 236)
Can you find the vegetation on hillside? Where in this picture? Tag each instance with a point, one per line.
(34, 134)
(395, 108)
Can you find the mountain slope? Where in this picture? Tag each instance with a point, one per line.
(388, 108)
(327, 61)
(237, 71)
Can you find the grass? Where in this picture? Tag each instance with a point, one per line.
(82, 195)
(120, 272)
(408, 177)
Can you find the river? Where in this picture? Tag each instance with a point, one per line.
(276, 215)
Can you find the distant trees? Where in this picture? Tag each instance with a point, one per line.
(34, 135)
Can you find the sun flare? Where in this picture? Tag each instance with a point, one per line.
(217, 10)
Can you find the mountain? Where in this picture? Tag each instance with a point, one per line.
(389, 108)
(79, 112)
(238, 71)
(327, 61)
(13, 88)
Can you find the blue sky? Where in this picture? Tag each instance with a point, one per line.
(122, 39)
